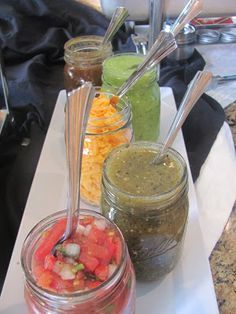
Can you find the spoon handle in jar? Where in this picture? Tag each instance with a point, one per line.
(118, 18)
(77, 112)
(163, 46)
(195, 89)
(190, 11)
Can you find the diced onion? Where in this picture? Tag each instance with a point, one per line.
(69, 260)
(58, 267)
(66, 273)
(100, 224)
(111, 269)
(87, 230)
(72, 249)
(81, 229)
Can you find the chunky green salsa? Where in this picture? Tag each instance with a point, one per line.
(149, 203)
(132, 171)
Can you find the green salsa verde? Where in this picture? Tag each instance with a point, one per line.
(149, 203)
(132, 171)
(144, 96)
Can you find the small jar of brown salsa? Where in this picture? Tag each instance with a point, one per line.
(84, 56)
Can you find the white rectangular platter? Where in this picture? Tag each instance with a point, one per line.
(188, 289)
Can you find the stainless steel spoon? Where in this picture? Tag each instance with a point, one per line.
(77, 111)
(118, 18)
(195, 89)
(163, 46)
(190, 11)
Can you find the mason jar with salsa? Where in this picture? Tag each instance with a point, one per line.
(144, 96)
(84, 56)
(149, 203)
(91, 271)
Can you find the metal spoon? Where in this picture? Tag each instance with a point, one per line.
(163, 46)
(195, 89)
(76, 117)
(118, 18)
(190, 11)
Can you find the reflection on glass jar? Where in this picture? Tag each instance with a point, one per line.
(144, 96)
(108, 127)
(149, 203)
(84, 56)
(48, 291)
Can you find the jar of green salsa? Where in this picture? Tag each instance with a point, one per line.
(149, 203)
(144, 96)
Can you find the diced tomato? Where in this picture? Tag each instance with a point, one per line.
(110, 246)
(92, 284)
(79, 284)
(118, 250)
(102, 272)
(87, 220)
(60, 285)
(89, 262)
(49, 261)
(50, 240)
(38, 270)
(45, 279)
(60, 257)
(99, 251)
(97, 236)
(80, 274)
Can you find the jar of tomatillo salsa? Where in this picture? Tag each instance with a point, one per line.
(149, 203)
(108, 127)
(90, 273)
(83, 57)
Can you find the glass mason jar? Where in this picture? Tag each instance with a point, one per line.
(107, 128)
(116, 295)
(152, 217)
(144, 96)
(84, 56)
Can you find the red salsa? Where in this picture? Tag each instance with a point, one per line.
(82, 262)
(90, 273)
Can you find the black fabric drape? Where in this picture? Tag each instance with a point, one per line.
(32, 36)
(206, 118)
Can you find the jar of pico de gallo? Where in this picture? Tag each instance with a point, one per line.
(90, 273)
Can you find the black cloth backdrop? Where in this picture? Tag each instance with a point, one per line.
(32, 36)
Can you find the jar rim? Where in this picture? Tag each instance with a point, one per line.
(125, 114)
(48, 222)
(152, 74)
(77, 48)
(180, 186)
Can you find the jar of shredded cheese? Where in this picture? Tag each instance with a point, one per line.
(108, 127)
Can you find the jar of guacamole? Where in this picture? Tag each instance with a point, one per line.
(144, 96)
(149, 203)
(84, 56)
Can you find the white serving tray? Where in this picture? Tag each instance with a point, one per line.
(188, 289)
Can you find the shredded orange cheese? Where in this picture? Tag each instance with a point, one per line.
(104, 133)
